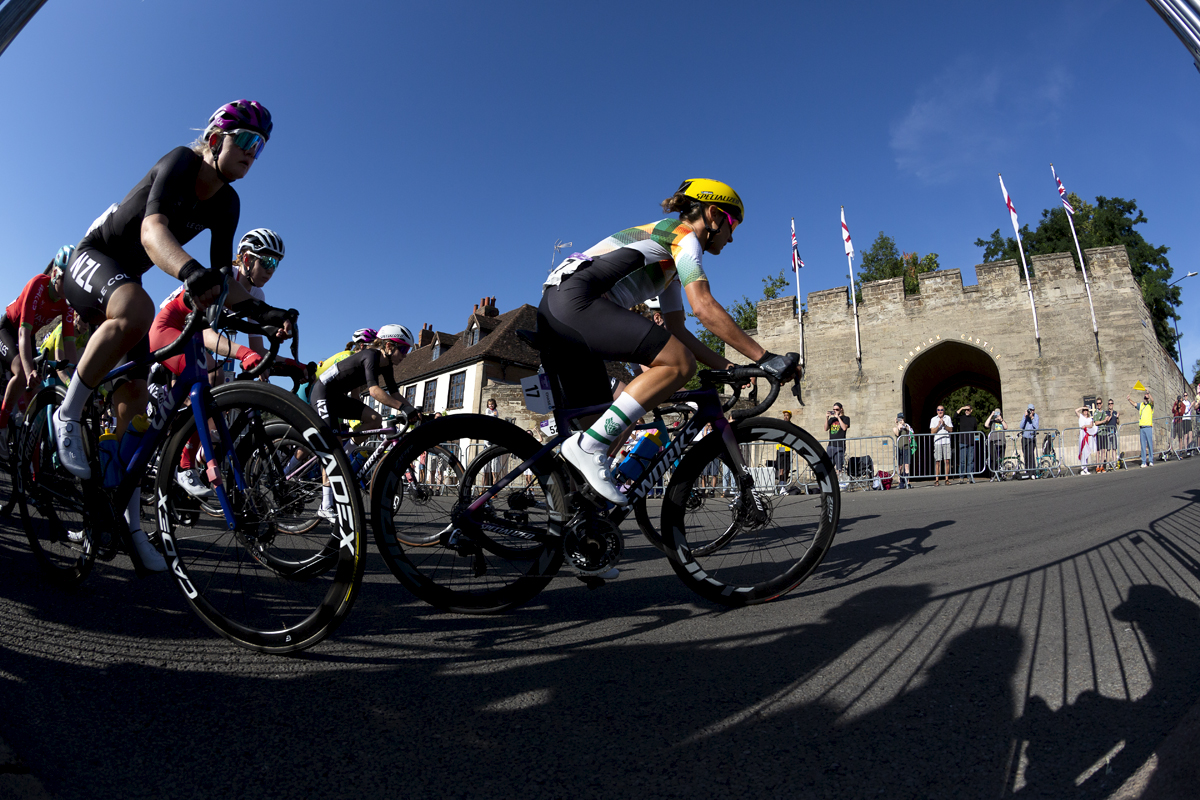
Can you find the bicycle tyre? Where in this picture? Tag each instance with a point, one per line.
(726, 562)
(1046, 467)
(1009, 468)
(479, 572)
(258, 585)
(51, 499)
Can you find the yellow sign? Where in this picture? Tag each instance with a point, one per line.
(1137, 387)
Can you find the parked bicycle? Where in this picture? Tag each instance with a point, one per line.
(247, 576)
(495, 550)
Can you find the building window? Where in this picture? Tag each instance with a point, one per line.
(473, 335)
(458, 382)
(430, 396)
(437, 351)
(410, 394)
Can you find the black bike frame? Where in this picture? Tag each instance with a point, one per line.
(708, 410)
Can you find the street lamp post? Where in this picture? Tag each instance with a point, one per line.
(1175, 322)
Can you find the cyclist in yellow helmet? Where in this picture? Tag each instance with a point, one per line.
(584, 319)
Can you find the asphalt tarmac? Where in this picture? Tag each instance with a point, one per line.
(1025, 639)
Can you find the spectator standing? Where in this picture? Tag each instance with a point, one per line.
(494, 466)
(783, 457)
(1177, 411)
(904, 446)
(1107, 421)
(995, 427)
(940, 426)
(1187, 422)
(1145, 412)
(1087, 437)
(967, 425)
(836, 425)
(1029, 429)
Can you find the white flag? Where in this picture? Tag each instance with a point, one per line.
(846, 235)
(1012, 212)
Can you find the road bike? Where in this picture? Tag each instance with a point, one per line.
(494, 550)
(244, 574)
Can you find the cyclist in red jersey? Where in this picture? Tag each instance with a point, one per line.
(40, 303)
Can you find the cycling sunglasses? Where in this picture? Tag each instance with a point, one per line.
(269, 263)
(400, 345)
(733, 223)
(250, 142)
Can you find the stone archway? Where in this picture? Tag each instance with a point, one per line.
(941, 369)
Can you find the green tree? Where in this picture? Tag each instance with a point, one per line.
(884, 260)
(1196, 372)
(1109, 222)
(744, 313)
(981, 401)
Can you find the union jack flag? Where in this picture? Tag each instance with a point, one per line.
(796, 262)
(1062, 193)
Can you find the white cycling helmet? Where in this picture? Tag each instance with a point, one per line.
(398, 334)
(262, 240)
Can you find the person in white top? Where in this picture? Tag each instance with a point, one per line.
(1087, 437)
(940, 426)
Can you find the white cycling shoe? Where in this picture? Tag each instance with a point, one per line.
(68, 438)
(149, 557)
(189, 481)
(594, 468)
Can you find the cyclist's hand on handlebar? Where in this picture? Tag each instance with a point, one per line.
(778, 367)
(203, 286)
(248, 357)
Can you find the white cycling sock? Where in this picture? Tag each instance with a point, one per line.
(77, 396)
(133, 511)
(326, 497)
(624, 412)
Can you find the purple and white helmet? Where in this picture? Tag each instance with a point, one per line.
(364, 336)
(243, 114)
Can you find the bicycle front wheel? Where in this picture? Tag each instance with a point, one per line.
(268, 584)
(754, 547)
(53, 509)
(495, 560)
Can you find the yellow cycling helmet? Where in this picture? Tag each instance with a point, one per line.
(715, 192)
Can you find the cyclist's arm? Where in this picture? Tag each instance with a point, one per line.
(165, 251)
(25, 348)
(713, 316)
(391, 401)
(676, 323)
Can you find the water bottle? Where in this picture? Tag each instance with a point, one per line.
(111, 468)
(639, 458)
(133, 437)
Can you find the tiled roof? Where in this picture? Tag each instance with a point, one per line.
(498, 342)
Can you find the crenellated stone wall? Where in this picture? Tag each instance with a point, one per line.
(975, 334)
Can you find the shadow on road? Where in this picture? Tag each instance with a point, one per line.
(1056, 682)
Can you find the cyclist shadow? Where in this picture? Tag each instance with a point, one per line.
(853, 561)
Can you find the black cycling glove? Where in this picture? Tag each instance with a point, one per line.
(779, 367)
(197, 279)
(264, 314)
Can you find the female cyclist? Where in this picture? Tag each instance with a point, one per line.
(584, 316)
(40, 302)
(331, 393)
(259, 254)
(187, 191)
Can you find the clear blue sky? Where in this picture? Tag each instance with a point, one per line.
(426, 155)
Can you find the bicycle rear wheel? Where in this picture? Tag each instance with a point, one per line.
(263, 585)
(746, 550)
(439, 554)
(51, 499)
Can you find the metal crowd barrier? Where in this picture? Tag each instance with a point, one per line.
(1012, 458)
(858, 460)
(966, 455)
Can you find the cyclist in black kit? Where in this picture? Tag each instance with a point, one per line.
(186, 192)
(331, 393)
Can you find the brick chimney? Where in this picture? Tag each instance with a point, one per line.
(487, 306)
(426, 335)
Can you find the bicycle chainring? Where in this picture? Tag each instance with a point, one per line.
(592, 544)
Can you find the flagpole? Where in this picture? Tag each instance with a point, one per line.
(799, 308)
(1021, 249)
(1082, 265)
(853, 299)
